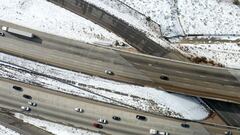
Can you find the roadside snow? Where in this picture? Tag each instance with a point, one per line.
(227, 54)
(53, 128)
(7, 131)
(45, 16)
(144, 98)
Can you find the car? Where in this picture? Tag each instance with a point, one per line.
(97, 125)
(25, 108)
(140, 117)
(17, 88)
(116, 118)
(32, 103)
(185, 125)
(109, 72)
(103, 121)
(2, 34)
(164, 77)
(78, 110)
(228, 133)
(153, 132)
(27, 96)
(163, 133)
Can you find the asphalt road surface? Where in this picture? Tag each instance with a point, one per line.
(59, 107)
(191, 79)
(229, 112)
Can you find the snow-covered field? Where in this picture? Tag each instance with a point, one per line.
(132, 96)
(191, 16)
(45, 16)
(51, 127)
(7, 131)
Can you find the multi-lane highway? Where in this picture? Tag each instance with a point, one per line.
(59, 107)
(180, 77)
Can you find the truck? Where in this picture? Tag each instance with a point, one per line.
(17, 32)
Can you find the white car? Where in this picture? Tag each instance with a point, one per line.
(25, 108)
(32, 103)
(153, 132)
(78, 110)
(109, 72)
(103, 121)
(163, 133)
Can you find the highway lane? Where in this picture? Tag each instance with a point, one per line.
(190, 79)
(58, 107)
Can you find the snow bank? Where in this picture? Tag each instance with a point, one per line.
(45, 16)
(7, 131)
(53, 128)
(144, 98)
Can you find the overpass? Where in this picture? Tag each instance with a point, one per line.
(136, 38)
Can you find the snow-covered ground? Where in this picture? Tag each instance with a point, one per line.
(164, 12)
(227, 54)
(7, 131)
(132, 96)
(133, 18)
(47, 17)
(209, 16)
(191, 16)
(51, 127)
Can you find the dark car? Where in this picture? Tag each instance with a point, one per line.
(97, 125)
(140, 117)
(185, 125)
(17, 88)
(164, 77)
(2, 34)
(27, 96)
(116, 118)
(228, 133)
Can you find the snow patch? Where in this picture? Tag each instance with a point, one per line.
(7, 131)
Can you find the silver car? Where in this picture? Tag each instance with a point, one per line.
(79, 110)
(25, 108)
(103, 121)
(32, 103)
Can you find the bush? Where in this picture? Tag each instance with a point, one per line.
(236, 2)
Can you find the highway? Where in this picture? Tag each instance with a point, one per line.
(191, 79)
(59, 107)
